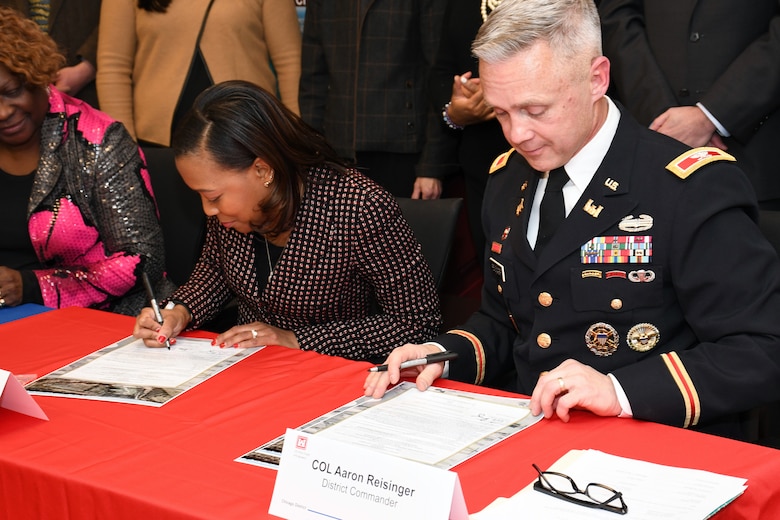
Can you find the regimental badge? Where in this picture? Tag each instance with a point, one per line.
(630, 224)
(591, 209)
(643, 337)
(496, 247)
(611, 184)
(602, 339)
(505, 233)
(684, 165)
(524, 186)
(641, 275)
(520, 207)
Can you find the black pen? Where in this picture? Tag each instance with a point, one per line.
(155, 306)
(430, 358)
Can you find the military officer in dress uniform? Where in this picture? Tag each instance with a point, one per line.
(625, 273)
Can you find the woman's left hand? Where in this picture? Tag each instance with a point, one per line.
(10, 287)
(256, 334)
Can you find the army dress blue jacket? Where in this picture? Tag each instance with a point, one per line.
(686, 318)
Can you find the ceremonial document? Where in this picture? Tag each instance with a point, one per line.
(438, 427)
(130, 372)
(650, 491)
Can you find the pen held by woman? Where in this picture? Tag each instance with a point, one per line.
(431, 358)
(155, 306)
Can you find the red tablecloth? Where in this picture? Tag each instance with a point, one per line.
(122, 461)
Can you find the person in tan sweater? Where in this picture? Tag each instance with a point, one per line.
(149, 70)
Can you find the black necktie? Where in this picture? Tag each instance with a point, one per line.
(552, 210)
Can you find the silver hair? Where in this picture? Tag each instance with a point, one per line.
(571, 28)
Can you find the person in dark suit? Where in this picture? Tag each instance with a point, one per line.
(656, 297)
(73, 24)
(464, 137)
(301, 242)
(704, 72)
(363, 70)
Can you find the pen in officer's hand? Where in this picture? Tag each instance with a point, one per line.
(155, 306)
(430, 358)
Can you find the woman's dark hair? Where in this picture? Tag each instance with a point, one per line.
(236, 122)
(157, 6)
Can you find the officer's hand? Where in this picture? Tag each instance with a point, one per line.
(377, 382)
(574, 385)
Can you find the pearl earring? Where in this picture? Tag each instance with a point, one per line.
(267, 183)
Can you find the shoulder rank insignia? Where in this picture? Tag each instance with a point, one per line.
(692, 160)
(500, 161)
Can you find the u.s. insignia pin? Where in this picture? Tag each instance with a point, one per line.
(643, 337)
(602, 339)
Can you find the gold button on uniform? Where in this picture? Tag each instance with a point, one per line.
(545, 299)
(616, 304)
(544, 340)
(500, 290)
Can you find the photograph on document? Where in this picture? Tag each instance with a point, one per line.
(130, 372)
(439, 427)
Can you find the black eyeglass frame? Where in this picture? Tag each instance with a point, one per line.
(551, 490)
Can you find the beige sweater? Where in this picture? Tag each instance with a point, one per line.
(143, 57)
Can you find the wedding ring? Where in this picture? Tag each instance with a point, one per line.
(254, 334)
(561, 384)
(2, 302)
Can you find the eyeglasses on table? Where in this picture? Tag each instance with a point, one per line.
(594, 495)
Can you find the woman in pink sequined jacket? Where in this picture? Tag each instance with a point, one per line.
(79, 219)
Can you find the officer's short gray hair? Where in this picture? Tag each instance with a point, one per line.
(570, 27)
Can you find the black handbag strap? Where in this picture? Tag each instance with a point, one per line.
(203, 24)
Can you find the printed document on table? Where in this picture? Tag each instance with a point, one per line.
(650, 491)
(438, 427)
(130, 372)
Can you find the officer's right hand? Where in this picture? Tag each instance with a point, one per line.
(377, 382)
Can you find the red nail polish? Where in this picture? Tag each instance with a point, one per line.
(173, 341)
(235, 345)
(222, 345)
(213, 343)
(161, 339)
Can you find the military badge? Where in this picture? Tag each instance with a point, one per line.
(626, 249)
(500, 161)
(496, 248)
(591, 209)
(602, 339)
(611, 184)
(519, 208)
(630, 224)
(643, 337)
(498, 269)
(684, 165)
(642, 275)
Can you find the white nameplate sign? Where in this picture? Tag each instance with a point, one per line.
(14, 397)
(322, 478)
